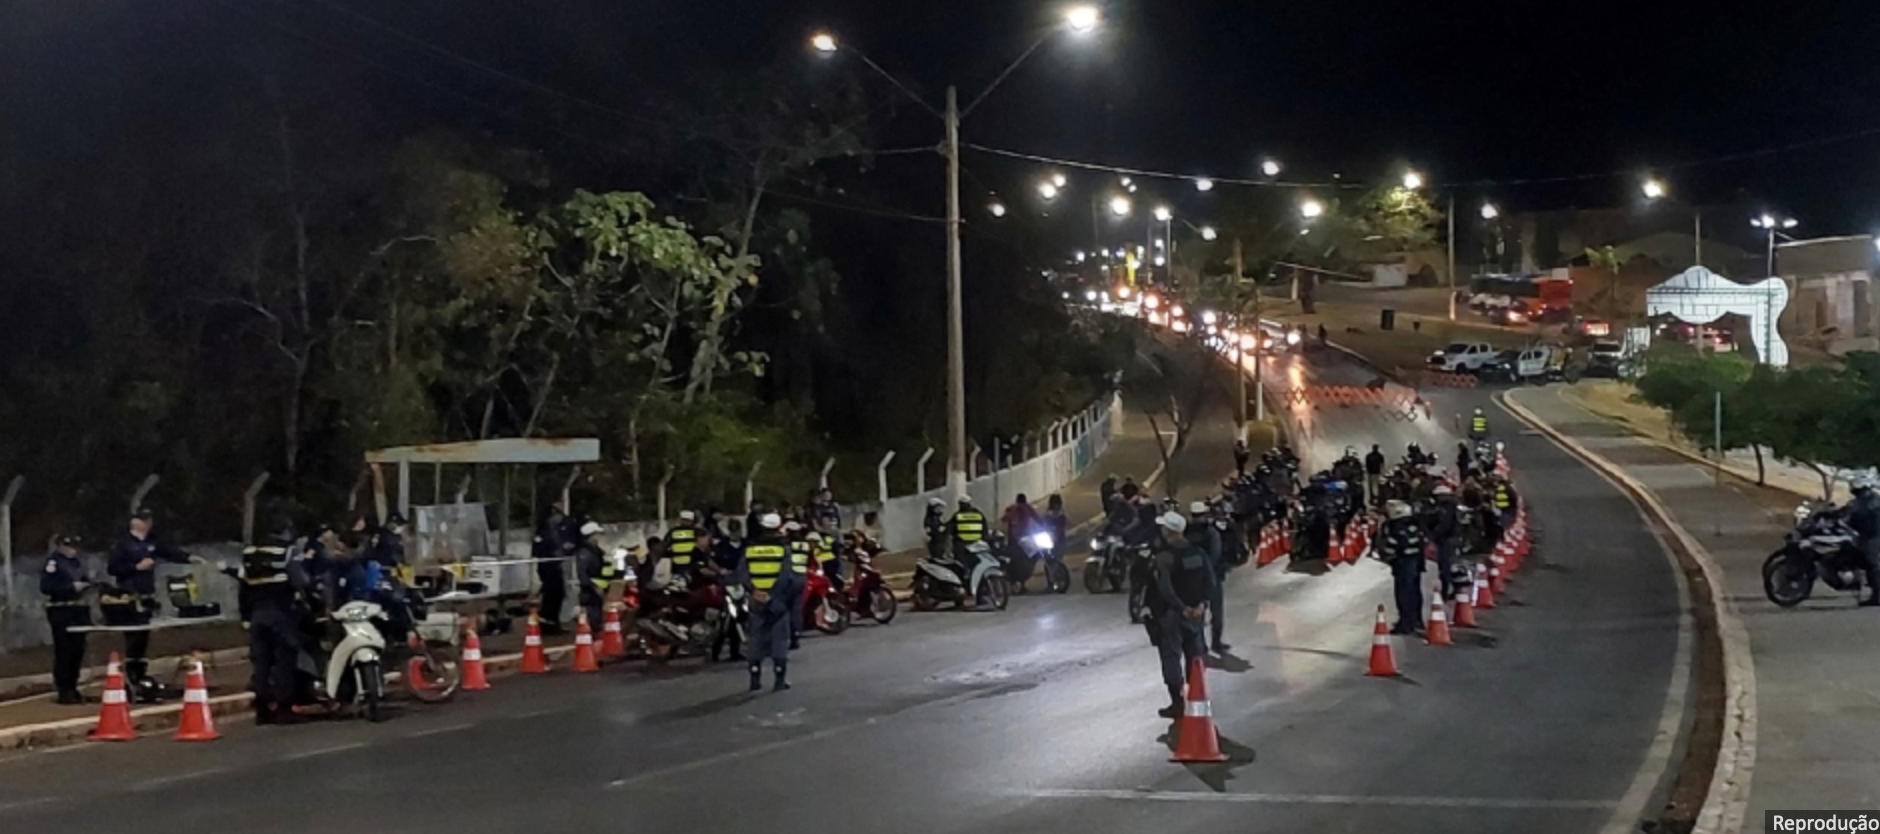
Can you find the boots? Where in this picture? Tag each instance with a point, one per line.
(783, 678)
(1174, 708)
(757, 677)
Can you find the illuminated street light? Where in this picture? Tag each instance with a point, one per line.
(1771, 222)
(1090, 295)
(1204, 184)
(1490, 212)
(1158, 243)
(1655, 189)
(1208, 317)
(1119, 206)
(997, 209)
(1127, 182)
(1412, 180)
(1161, 261)
(823, 42)
(1059, 180)
(1311, 209)
(1079, 255)
(1047, 190)
(1208, 233)
(1270, 167)
(1163, 214)
(1083, 19)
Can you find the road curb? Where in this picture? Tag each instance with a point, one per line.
(1726, 801)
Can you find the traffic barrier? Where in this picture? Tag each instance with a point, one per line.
(1438, 632)
(114, 718)
(1465, 608)
(1196, 741)
(1285, 537)
(584, 659)
(198, 724)
(1269, 545)
(1440, 379)
(534, 660)
(1484, 592)
(613, 643)
(475, 677)
(1383, 661)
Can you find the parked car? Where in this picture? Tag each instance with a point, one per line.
(1606, 358)
(1463, 357)
(1536, 363)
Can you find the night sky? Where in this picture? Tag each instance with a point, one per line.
(1589, 93)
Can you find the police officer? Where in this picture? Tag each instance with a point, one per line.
(388, 546)
(1203, 532)
(273, 576)
(1443, 527)
(1478, 425)
(1864, 516)
(1178, 605)
(823, 549)
(1373, 472)
(968, 524)
(1400, 544)
(801, 554)
(63, 584)
(1505, 501)
(596, 571)
(133, 564)
(550, 548)
(682, 545)
(935, 524)
(1241, 456)
(772, 582)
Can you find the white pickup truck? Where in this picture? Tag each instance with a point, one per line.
(1463, 357)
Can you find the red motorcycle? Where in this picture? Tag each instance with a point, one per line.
(823, 608)
(867, 592)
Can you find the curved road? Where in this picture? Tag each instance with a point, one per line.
(1040, 718)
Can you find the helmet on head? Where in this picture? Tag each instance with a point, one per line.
(770, 521)
(688, 516)
(1478, 412)
(1442, 490)
(815, 537)
(935, 502)
(1172, 522)
(1198, 508)
(792, 526)
(1396, 509)
(592, 528)
(966, 500)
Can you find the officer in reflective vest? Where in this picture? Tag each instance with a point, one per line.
(969, 524)
(63, 583)
(801, 554)
(1504, 501)
(682, 544)
(773, 581)
(596, 570)
(823, 548)
(1478, 424)
(272, 579)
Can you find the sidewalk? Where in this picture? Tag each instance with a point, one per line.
(1816, 737)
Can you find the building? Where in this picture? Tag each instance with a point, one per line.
(1831, 288)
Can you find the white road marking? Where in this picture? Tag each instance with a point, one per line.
(323, 751)
(1466, 802)
(435, 731)
(28, 803)
(166, 781)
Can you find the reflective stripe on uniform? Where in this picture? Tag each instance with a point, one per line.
(969, 526)
(764, 562)
(1479, 425)
(799, 556)
(681, 544)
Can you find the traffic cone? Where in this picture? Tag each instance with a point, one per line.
(197, 724)
(584, 660)
(1271, 548)
(475, 679)
(114, 719)
(414, 668)
(1285, 537)
(1383, 662)
(1195, 738)
(534, 660)
(613, 643)
(1465, 608)
(1438, 633)
(1484, 591)
(1497, 576)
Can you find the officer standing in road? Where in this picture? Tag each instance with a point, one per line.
(133, 564)
(1373, 473)
(772, 583)
(1478, 425)
(551, 547)
(1178, 605)
(272, 580)
(1241, 456)
(801, 554)
(63, 584)
(1444, 528)
(682, 545)
(1400, 545)
(1505, 501)
(596, 571)
(1202, 532)
(1864, 516)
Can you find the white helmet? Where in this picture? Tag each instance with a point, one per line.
(1198, 508)
(592, 528)
(1172, 522)
(1443, 489)
(792, 527)
(688, 516)
(770, 521)
(1396, 509)
(1478, 412)
(935, 502)
(815, 537)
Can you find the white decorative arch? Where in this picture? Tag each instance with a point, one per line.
(1700, 297)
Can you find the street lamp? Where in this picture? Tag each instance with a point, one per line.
(997, 209)
(1490, 212)
(1270, 167)
(1080, 19)
(1311, 209)
(1059, 180)
(1048, 191)
(1775, 226)
(1208, 233)
(1163, 214)
(1119, 206)
(1204, 184)
(1654, 188)
(1412, 180)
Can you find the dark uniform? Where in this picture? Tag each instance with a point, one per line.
(1400, 545)
(1864, 517)
(63, 584)
(1203, 534)
(141, 585)
(1183, 580)
(272, 580)
(772, 583)
(935, 523)
(1373, 472)
(1444, 529)
(552, 546)
(596, 572)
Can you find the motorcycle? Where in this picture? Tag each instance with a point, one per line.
(1822, 546)
(1141, 579)
(1031, 552)
(354, 673)
(938, 582)
(1107, 569)
(675, 631)
(867, 592)
(823, 608)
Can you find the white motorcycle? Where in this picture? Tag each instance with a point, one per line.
(355, 668)
(936, 582)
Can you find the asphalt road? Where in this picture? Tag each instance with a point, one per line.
(1039, 718)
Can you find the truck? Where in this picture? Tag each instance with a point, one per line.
(1463, 358)
(1535, 363)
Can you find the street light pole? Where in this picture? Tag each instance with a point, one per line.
(956, 334)
(1452, 256)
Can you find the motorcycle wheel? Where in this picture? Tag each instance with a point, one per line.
(998, 592)
(1138, 600)
(433, 674)
(924, 599)
(1057, 577)
(831, 618)
(1786, 583)
(1093, 577)
(372, 691)
(882, 606)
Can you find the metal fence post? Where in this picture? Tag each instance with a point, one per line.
(920, 472)
(662, 500)
(750, 486)
(822, 480)
(248, 507)
(6, 543)
(143, 491)
(881, 477)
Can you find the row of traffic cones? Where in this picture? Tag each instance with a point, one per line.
(114, 718)
(1487, 581)
(587, 656)
(1275, 543)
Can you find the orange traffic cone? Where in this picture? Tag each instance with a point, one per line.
(1383, 662)
(1497, 575)
(197, 724)
(114, 720)
(414, 668)
(1465, 608)
(534, 660)
(1484, 590)
(584, 660)
(1438, 632)
(1285, 537)
(475, 678)
(1195, 740)
(613, 644)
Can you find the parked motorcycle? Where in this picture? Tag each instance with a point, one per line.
(941, 582)
(676, 629)
(1034, 553)
(1141, 580)
(823, 608)
(867, 592)
(1107, 569)
(346, 670)
(1822, 546)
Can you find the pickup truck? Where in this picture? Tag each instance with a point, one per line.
(1535, 363)
(1463, 358)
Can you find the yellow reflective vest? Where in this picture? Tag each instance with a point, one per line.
(764, 563)
(681, 543)
(969, 526)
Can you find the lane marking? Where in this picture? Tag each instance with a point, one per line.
(18, 804)
(1464, 802)
(435, 731)
(165, 781)
(323, 751)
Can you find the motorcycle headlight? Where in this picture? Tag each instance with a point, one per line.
(1802, 513)
(1292, 337)
(1042, 541)
(355, 615)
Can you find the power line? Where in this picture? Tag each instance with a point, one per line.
(1153, 174)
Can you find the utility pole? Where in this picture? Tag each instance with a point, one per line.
(956, 336)
(1697, 235)
(1452, 255)
(1240, 371)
